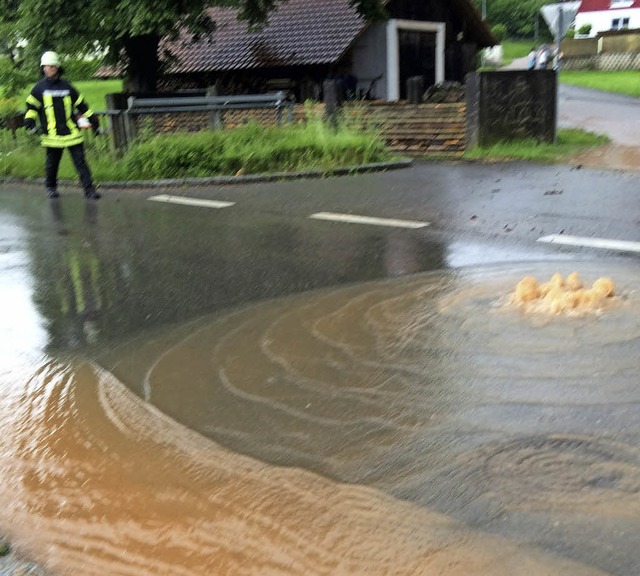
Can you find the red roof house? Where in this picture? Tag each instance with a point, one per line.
(600, 5)
(606, 15)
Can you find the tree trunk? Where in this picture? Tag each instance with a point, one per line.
(142, 57)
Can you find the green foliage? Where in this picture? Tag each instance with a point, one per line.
(512, 49)
(499, 31)
(13, 78)
(585, 30)
(248, 149)
(569, 142)
(251, 149)
(518, 16)
(5, 548)
(77, 68)
(94, 91)
(81, 27)
(372, 10)
(10, 107)
(571, 32)
(619, 81)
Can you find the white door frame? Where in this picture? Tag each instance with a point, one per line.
(393, 51)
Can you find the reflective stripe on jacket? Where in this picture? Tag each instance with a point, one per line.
(57, 104)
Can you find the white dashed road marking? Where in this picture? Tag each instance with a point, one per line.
(354, 219)
(618, 245)
(201, 202)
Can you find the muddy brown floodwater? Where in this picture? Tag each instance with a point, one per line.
(409, 426)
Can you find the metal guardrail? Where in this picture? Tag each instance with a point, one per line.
(124, 126)
(275, 100)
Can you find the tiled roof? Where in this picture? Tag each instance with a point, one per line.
(299, 32)
(597, 5)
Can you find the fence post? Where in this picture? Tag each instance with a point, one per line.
(280, 102)
(472, 84)
(215, 117)
(332, 92)
(415, 89)
(117, 101)
(129, 121)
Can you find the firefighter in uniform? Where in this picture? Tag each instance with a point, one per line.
(60, 109)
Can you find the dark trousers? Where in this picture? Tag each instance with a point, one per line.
(52, 163)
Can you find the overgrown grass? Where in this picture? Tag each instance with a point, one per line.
(622, 82)
(249, 149)
(569, 142)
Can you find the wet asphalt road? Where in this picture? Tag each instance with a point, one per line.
(615, 115)
(267, 246)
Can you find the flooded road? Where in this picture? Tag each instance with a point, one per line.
(204, 393)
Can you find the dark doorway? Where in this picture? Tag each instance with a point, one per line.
(417, 52)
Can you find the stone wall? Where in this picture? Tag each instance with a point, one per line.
(510, 105)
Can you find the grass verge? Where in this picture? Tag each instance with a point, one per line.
(512, 49)
(249, 149)
(622, 82)
(569, 142)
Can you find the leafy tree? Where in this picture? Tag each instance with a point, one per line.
(499, 32)
(518, 16)
(129, 28)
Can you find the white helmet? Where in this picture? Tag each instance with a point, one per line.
(50, 59)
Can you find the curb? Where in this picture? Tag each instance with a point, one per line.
(248, 179)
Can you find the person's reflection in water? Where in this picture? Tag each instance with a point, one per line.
(72, 298)
(58, 217)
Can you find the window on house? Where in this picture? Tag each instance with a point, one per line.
(621, 3)
(619, 23)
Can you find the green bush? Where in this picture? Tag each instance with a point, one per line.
(499, 31)
(249, 149)
(10, 107)
(585, 30)
(79, 68)
(13, 79)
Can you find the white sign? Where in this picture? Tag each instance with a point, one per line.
(559, 17)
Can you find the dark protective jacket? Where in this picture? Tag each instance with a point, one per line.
(57, 104)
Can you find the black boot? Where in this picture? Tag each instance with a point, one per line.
(92, 194)
(52, 193)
